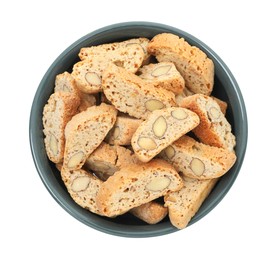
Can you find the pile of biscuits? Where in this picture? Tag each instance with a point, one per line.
(134, 128)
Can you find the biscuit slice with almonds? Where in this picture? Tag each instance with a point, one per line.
(135, 185)
(60, 108)
(160, 129)
(132, 95)
(197, 160)
(85, 132)
(65, 82)
(89, 52)
(213, 129)
(88, 72)
(82, 187)
(163, 75)
(193, 64)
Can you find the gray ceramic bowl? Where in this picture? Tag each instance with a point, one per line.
(225, 88)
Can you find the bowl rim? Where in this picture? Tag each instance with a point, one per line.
(140, 231)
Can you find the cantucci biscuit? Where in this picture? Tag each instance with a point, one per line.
(123, 130)
(88, 72)
(151, 212)
(180, 97)
(214, 129)
(163, 75)
(135, 185)
(184, 204)
(132, 95)
(57, 112)
(161, 129)
(193, 64)
(88, 52)
(197, 160)
(82, 187)
(65, 82)
(85, 132)
(107, 159)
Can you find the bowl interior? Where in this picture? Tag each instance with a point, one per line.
(225, 88)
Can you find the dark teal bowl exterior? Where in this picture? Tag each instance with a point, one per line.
(225, 88)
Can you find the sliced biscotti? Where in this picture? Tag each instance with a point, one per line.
(107, 159)
(184, 204)
(160, 129)
(88, 72)
(85, 132)
(163, 75)
(82, 187)
(102, 160)
(135, 185)
(65, 82)
(131, 94)
(57, 112)
(193, 64)
(88, 52)
(197, 160)
(123, 130)
(180, 97)
(214, 129)
(151, 212)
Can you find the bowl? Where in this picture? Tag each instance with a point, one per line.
(225, 88)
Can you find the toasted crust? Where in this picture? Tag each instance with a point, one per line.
(127, 189)
(57, 112)
(214, 131)
(193, 64)
(175, 128)
(163, 75)
(184, 204)
(85, 132)
(88, 52)
(151, 212)
(216, 161)
(84, 197)
(123, 130)
(130, 57)
(129, 93)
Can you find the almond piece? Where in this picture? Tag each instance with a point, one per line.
(158, 184)
(162, 70)
(92, 78)
(197, 166)
(147, 143)
(179, 114)
(53, 144)
(153, 104)
(159, 127)
(116, 132)
(80, 183)
(169, 152)
(214, 113)
(101, 166)
(75, 160)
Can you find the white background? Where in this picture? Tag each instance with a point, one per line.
(34, 226)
